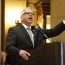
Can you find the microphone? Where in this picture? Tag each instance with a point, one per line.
(37, 28)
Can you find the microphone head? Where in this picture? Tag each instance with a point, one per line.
(36, 27)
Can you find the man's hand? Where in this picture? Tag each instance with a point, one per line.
(3, 57)
(64, 21)
(25, 55)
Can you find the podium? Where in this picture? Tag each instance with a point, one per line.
(47, 54)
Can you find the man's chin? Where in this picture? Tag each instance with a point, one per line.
(30, 21)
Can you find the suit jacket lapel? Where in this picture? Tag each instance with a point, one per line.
(35, 33)
(26, 35)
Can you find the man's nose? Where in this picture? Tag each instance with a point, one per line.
(30, 14)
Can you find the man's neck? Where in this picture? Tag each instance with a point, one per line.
(27, 24)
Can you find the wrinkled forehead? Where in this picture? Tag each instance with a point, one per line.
(28, 9)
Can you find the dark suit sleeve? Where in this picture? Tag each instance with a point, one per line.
(11, 42)
(55, 31)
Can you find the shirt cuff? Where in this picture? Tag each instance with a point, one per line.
(63, 21)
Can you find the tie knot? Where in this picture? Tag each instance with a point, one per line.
(28, 28)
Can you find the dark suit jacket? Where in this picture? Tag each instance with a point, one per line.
(18, 38)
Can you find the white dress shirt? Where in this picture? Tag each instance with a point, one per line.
(28, 29)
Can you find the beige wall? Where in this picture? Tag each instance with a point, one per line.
(12, 9)
(58, 14)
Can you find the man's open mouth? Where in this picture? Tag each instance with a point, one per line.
(30, 18)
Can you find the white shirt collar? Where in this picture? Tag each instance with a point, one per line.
(25, 26)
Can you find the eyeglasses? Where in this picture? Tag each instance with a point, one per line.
(29, 13)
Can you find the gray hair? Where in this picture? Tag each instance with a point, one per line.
(25, 10)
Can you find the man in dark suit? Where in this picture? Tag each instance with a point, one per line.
(19, 43)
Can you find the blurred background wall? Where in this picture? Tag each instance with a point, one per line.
(57, 15)
(13, 10)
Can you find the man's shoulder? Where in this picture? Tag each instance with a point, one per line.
(13, 27)
(16, 26)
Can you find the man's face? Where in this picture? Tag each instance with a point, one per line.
(27, 17)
